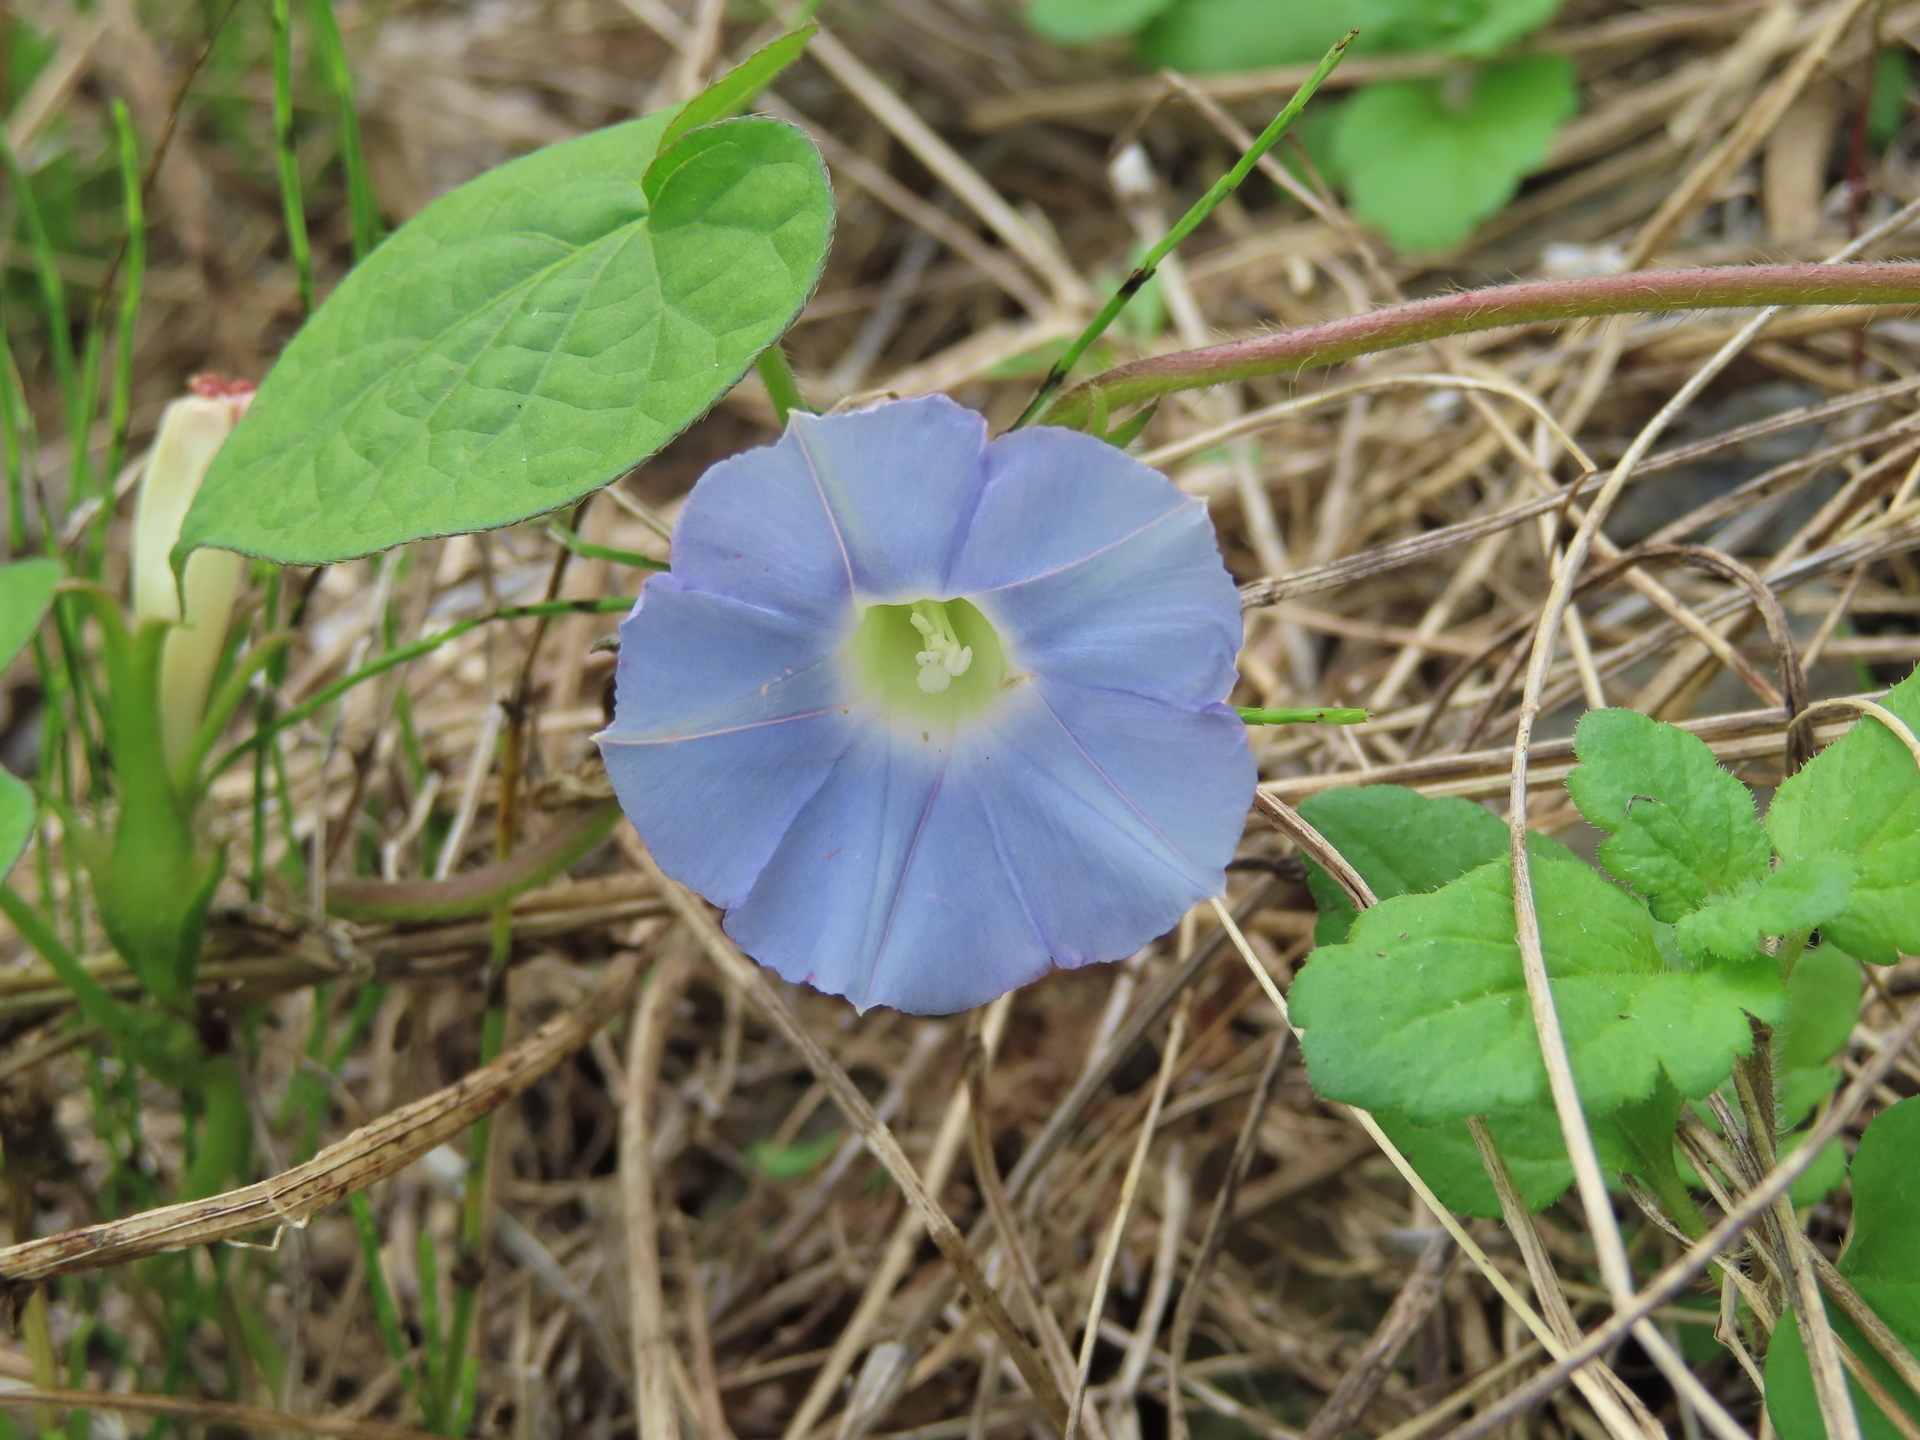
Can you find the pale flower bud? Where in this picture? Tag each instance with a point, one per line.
(191, 431)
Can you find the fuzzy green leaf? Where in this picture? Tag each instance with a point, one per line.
(1821, 1178)
(1681, 828)
(26, 592)
(1459, 27)
(1638, 1139)
(1795, 898)
(1887, 109)
(1402, 843)
(795, 1161)
(1823, 1002)
(736, 89)
(1883, 1262)
(1860, 797)
(1076, 22)
(524, 340)
(1425, 166)
(1886, 1200)
(1424, 1009)
(1209, 36)
(1449, 1161)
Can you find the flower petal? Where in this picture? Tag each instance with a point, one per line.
(874, 499)
(934, 878)
(1114, 813)
(889, 888)
(902, 480)
(1126, 594)
(754, 528)
(727, 719)
(1053, 497)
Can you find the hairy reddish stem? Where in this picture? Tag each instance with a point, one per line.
(1312, 346)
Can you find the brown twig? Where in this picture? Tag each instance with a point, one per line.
(368, 1155)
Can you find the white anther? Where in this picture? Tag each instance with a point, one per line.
(942, 660)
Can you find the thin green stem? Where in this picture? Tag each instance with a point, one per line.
(1496, 307)
(473, 1209)
(782, 389)
(1184, 227)
(386, 1314)
(120, 398)
(292, 203)
(93, 998)
(587, 550)
(39, 1338)
(220, 709)
(432, 1362)
(13, 450)
(262, 732)
(479, 891)
(1254, 715)
(361, 204)
(83, 478)
(53, 292)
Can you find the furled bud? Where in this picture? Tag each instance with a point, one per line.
(191, 431)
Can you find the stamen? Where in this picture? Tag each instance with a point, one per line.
(945, 657)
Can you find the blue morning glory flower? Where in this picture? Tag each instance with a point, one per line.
(924, 713)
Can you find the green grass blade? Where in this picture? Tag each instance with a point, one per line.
(385, 1314)
(432, 1354)
(293, 205)
(53, 292)
(1184, 227)
(361, 203)
(83, 479)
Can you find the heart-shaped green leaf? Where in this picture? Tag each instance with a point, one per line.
(1075, 22)
(523, 341)
(1426, 165)
(16, 820)
(735, 90)
(1425, 1010)
(26, 590)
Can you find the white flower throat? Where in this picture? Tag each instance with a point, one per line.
(945, 657)
(927, 660)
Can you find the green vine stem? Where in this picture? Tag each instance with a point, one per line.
(474, 892)
(1292, 715)
(1648, 291)
(1185, 226)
